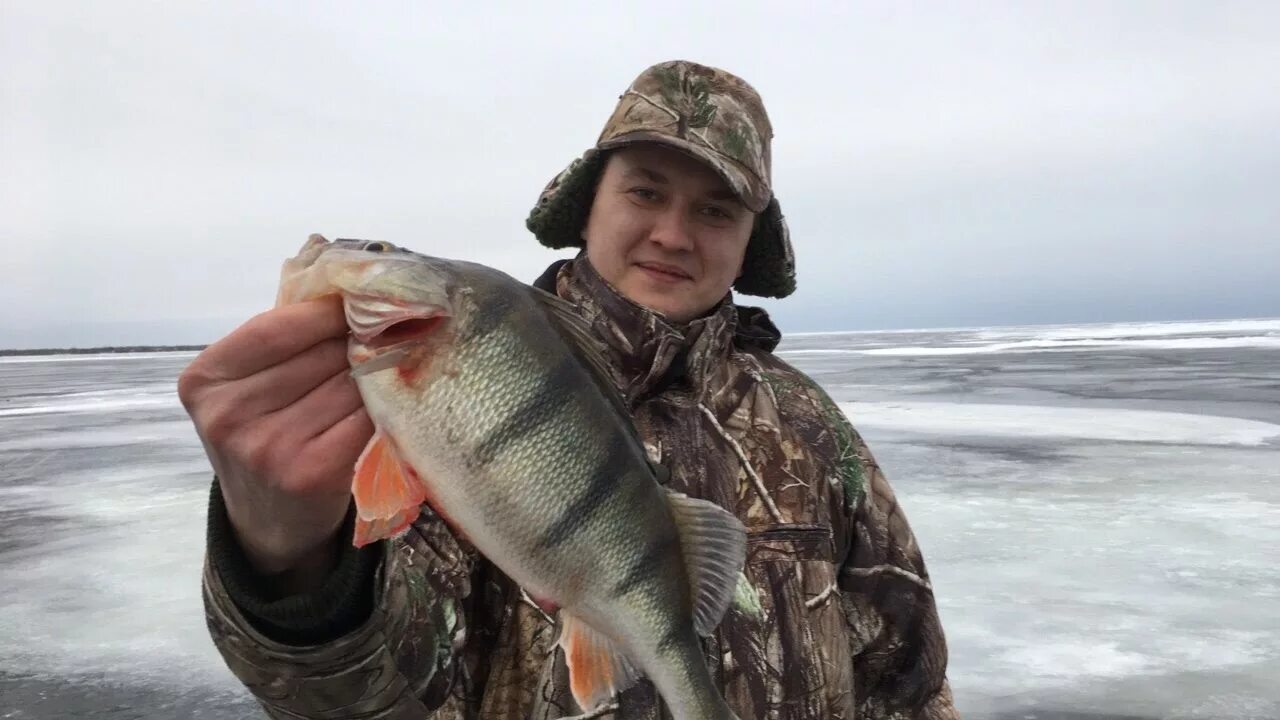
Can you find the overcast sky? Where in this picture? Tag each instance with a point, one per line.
(940, 164)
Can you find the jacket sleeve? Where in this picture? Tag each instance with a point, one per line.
(383, 638)
(901, 668)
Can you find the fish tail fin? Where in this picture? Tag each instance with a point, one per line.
(598, 669)
(387, 491)
(714, 543)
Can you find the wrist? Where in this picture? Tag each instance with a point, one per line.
(295, 570)
(317, 600)
(290, 559)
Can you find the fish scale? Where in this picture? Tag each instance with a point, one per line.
(507, 420)
(495, 376)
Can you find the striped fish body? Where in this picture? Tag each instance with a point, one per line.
(491, 406)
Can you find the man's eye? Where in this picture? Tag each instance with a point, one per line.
(644, 193)
(718, 212)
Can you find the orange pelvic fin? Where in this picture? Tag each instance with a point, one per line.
(386, 489)
(597, 668)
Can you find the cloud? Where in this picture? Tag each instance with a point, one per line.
(947, 165)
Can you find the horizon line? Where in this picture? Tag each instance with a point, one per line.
(162, 347)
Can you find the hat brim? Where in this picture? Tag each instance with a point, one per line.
(749, 189)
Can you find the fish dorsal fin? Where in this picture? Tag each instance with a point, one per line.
(577, 333)
(715, 547)
(598, 669)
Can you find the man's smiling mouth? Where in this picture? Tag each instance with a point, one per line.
(662, 271)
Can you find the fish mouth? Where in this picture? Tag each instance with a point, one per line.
(393, 333)
(384, 327)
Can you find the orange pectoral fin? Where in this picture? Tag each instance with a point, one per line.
(386, 489)
(368, 531)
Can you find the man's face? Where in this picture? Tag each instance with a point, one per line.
(666, 231)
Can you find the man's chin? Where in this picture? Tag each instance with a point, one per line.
(662, 303)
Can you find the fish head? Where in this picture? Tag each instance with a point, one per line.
(399, 304)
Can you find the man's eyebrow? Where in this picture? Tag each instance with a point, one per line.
(656, 177)
(647, 174)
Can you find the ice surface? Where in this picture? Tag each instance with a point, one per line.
(103, 491)
(1082, 344)
(1101, 526)
(1099, 578)
(1131, 330)
(98, 357)
(1221, 335)
(114, 436)
(102, 401)
(1085, 331)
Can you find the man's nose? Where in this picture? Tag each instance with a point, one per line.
(672, 229)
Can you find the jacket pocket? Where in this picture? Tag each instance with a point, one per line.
(788, 657)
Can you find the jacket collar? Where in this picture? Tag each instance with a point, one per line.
(648, 353)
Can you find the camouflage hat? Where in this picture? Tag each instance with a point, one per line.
(714, 117)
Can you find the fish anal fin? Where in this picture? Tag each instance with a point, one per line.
(714, 543)
(387, 491)
(597, 668)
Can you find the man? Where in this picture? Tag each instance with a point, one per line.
(674, 207)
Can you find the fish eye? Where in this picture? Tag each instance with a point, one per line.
(375, 247)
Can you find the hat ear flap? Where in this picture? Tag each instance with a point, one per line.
(769, 265)
(561, 213)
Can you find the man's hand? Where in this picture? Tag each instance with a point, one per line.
(283, 425)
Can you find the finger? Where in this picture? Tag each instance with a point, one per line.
(280, 386)
(334, 452)
(273, 337)
(321, 408)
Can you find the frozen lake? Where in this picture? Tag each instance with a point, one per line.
(1099, 507)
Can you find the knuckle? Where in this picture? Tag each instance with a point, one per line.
(219, 428)
(191, 383)
(259, 454)
(317, 480)
(260, 331)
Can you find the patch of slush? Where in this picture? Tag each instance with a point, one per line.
(1046, 422)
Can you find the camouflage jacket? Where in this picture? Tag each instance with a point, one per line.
(840, 621)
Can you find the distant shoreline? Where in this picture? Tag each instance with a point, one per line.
(100, 350)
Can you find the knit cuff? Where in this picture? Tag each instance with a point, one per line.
(339, 606)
